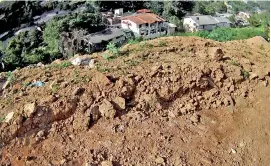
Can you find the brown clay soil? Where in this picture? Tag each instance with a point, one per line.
(169, 101)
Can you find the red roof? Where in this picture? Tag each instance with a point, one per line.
(144, 18)
(144, 11)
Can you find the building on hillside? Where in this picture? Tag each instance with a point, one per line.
(98, 41)
(114, 19)
(225, 15)
(147, 25)
(204, 22)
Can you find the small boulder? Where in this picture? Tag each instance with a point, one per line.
(95, 113)
(91, 63)
(106, 163)
(107, 110)
(9, 117)
(40, 64)
(30, 109)
(160, 160)
(127, 91)
(119, 103)
(216, 53)
(195, 118)
(81, 123)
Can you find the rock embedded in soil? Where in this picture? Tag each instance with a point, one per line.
(9, 117)
(106, 163)
(30, 109)
(119, 103)
(216, 53)
(94, 112)
(81, 122)
(195, 118)
(127, 91)
(107, 110)
(160, 160)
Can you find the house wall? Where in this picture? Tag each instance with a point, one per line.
(223, 24)
(189, 25)
(143, 29)
(171, 30)
(118, 11)
(209, 27)
(131, 25)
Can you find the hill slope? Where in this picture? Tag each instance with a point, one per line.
(168, 101)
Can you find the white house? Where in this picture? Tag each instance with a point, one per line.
(146, 24)
(204, 22)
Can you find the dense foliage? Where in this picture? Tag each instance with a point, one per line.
(209, 8)
(226, 34)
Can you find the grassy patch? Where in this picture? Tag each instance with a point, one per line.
(55, 88)
(135, 41)
(227, 34)
(10, 77)
(131, 62)
(2, 118)
(25, 84)
(62, 65)
(245, 74)
(162, 44)
(235, 63)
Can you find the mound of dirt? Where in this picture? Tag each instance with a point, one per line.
(168, 101)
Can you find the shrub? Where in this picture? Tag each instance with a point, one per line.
(202, 34)
(221, 34)
(113, 49)
(135, 40)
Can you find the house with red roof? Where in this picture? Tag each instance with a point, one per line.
(146, 24)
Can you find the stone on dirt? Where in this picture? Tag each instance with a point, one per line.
(106, 163)
(216, 53)
(81, 123)
(195, 118)
(30, 109)
(81, 61)
(107, 110)
(119, 103)
(40, 135)
(94, 111)
(127, 91)
(9, 117)
(160, 160)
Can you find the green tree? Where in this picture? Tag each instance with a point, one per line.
(155, 6)
(254, 21)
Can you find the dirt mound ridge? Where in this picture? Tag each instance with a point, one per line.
(166, 78)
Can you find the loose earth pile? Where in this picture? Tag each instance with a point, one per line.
(168, 101)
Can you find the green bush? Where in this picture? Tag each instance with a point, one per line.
(203, 34)
(227, 34)
(135, 40)
(222, 34)
(113, 49)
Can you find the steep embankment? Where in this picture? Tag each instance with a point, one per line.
(169, 101)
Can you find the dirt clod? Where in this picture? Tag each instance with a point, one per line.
(107, 110)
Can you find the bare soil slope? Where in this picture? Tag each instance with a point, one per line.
(168, 101)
